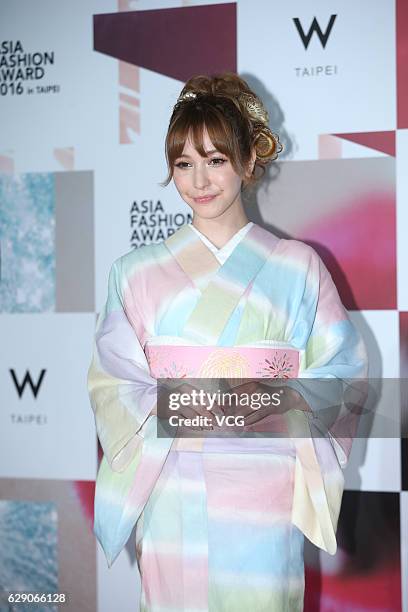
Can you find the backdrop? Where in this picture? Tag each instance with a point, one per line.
(86, 92)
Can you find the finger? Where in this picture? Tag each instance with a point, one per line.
(204, 420)
(257, 415)
(246, 388)
(245, 411)
(199, 408)
(217, 410)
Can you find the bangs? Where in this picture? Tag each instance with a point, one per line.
(193, 122)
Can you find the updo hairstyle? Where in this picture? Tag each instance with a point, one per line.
(236, 121)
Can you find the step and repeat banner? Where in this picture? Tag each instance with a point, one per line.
(86, 93)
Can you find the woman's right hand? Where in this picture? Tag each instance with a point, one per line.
(188, 412)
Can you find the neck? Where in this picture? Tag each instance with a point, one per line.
(220, 229)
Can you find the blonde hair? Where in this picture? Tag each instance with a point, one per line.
(236, 121)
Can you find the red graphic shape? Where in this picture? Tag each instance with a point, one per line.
(377, 590)
(402, 63)
(362, 238)
(177, 42)
(85, 490)
(379, 141)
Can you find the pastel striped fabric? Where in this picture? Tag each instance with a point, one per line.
(270, 292)
(216, 534)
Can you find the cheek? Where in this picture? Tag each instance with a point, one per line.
(230, 180)
(179, 181)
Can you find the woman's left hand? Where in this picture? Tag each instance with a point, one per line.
(290, 399)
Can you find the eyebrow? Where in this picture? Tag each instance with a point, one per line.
(208, 153)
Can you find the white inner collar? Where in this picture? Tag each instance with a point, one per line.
(225, 251)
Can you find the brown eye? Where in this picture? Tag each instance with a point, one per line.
(219, 159)
(180, 165)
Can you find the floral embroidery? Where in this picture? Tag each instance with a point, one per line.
(174, 370)
(161, 366)
(280, 366)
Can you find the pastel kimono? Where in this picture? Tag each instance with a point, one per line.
(220, 524)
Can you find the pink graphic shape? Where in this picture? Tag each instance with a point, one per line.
(65, 157)
(379, 141)
(126, 5)
(329, 146)
(7, 163)
(129, 113)
(362, 238)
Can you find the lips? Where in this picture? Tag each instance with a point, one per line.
(204, 199)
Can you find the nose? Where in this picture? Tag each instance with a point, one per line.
(200, 177)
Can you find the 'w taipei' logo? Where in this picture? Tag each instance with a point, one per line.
(315, 27)
(35, 387)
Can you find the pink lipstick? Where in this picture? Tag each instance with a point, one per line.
(205, 199)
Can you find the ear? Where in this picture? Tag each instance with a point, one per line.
(253, 158)
(251, 163)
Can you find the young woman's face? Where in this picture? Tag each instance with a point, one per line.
(196, 177)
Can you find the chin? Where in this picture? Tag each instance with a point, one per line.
(209, 213)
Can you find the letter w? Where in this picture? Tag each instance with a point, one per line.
(324, 37)
(27, 380)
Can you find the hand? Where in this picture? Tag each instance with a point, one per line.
(289, 399)
(188, 411)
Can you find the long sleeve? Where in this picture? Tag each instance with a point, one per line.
(121, 389)
(335, 354)
(334, 347)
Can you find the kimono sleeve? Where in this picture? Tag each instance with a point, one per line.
(333, 359)
(334, 350)
(122, 392)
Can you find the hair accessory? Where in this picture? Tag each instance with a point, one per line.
(259, 115)
(186, 96)
(270, 148)
(255, 109)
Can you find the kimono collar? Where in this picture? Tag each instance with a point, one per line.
(225, 251)
(220, 286)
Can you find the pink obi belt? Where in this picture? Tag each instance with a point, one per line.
(238, 362)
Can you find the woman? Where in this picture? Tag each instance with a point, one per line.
(220, 521)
